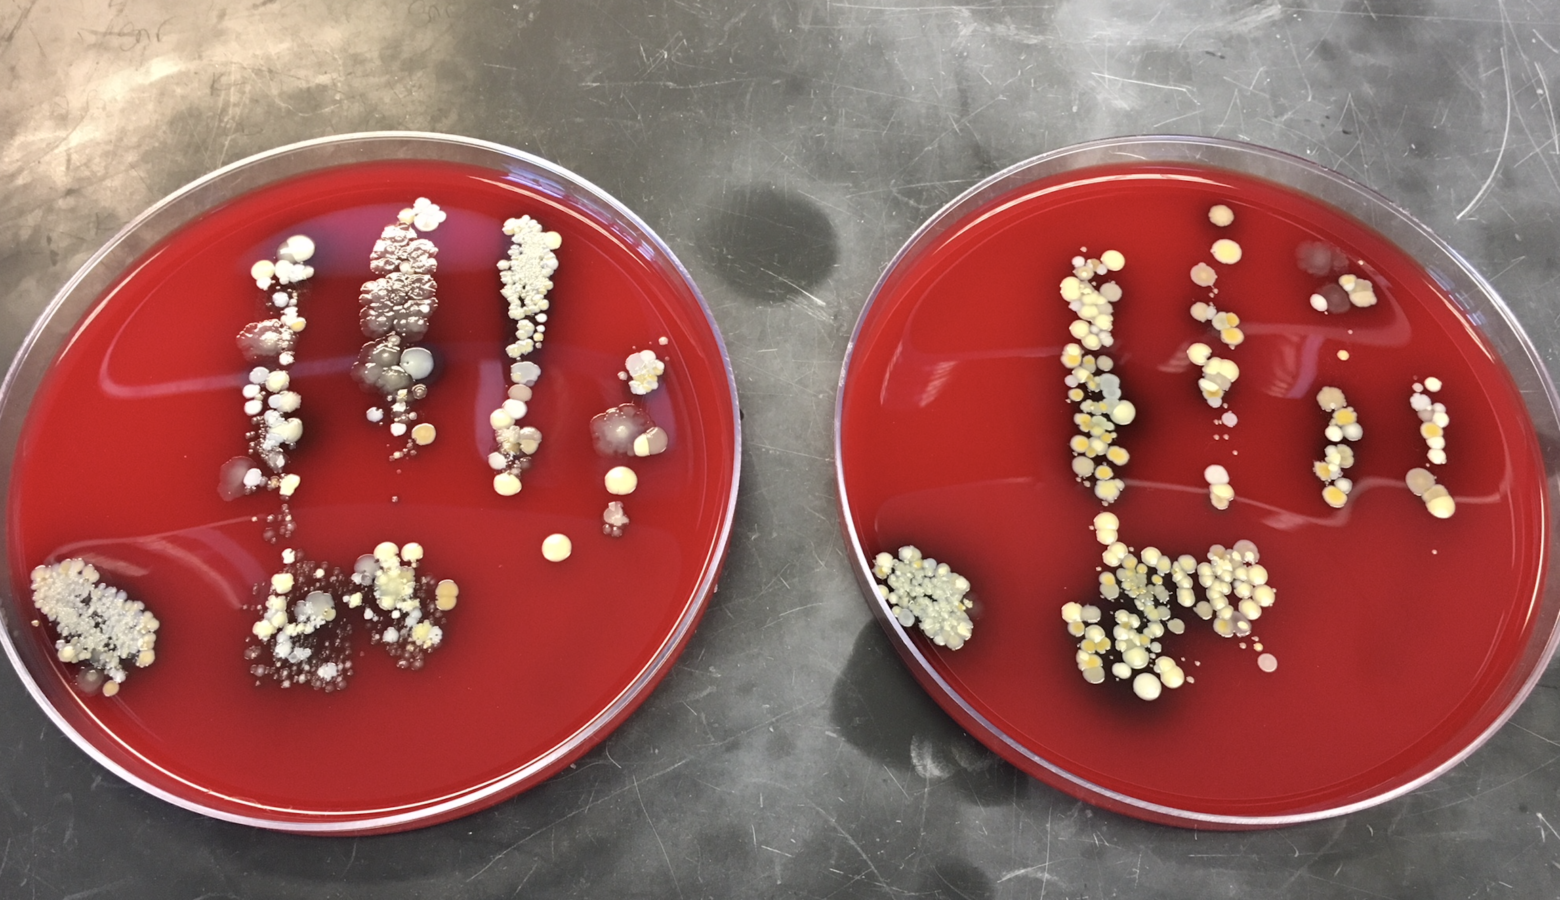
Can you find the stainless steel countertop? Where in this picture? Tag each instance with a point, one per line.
(785, 151)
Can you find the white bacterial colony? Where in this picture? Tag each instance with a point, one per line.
(642, 371)
(1433, 421)
(526, 274)
(270, 400)
(1355, 293)
(558, 547)
(921, 590)
(99, 626)
(1337, 456)
(396, 307)
(1090, 382)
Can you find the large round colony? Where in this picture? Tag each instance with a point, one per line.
(921, 590)
(296, 636)
(269, 398)
(526, 274)
(1433, 423)
(99, 626)
(1136, 585)
(1344, 425)
(396, 307)
(1090, 383)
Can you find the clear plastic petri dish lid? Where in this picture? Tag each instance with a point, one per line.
(1397, 642)
(125, 402)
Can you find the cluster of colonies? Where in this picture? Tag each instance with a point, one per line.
(1218, 374)
(395, 310)
(921, 590)
(526, 275)
(1351, 292)
(1344, 425)
(269, 398)
(1236, 592)
(1090, 383)
(300, 638)
(627, 430)
(1133, 643)
(99, 627)
(297, 637)
(1433, 421)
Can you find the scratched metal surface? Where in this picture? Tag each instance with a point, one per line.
(784, 150)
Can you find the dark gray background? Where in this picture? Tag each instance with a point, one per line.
(784, 150)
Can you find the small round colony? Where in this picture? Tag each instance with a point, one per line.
(921, 590)
(99, 626)
(1221, 215)
(526, 274)
(1090, 383)
(1344, 425)
(396, 307)
(270, 401)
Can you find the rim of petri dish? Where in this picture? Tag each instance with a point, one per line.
(1473, 294)
(61, 317)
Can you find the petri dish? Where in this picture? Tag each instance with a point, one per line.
(1402, 640)
(125, 402)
